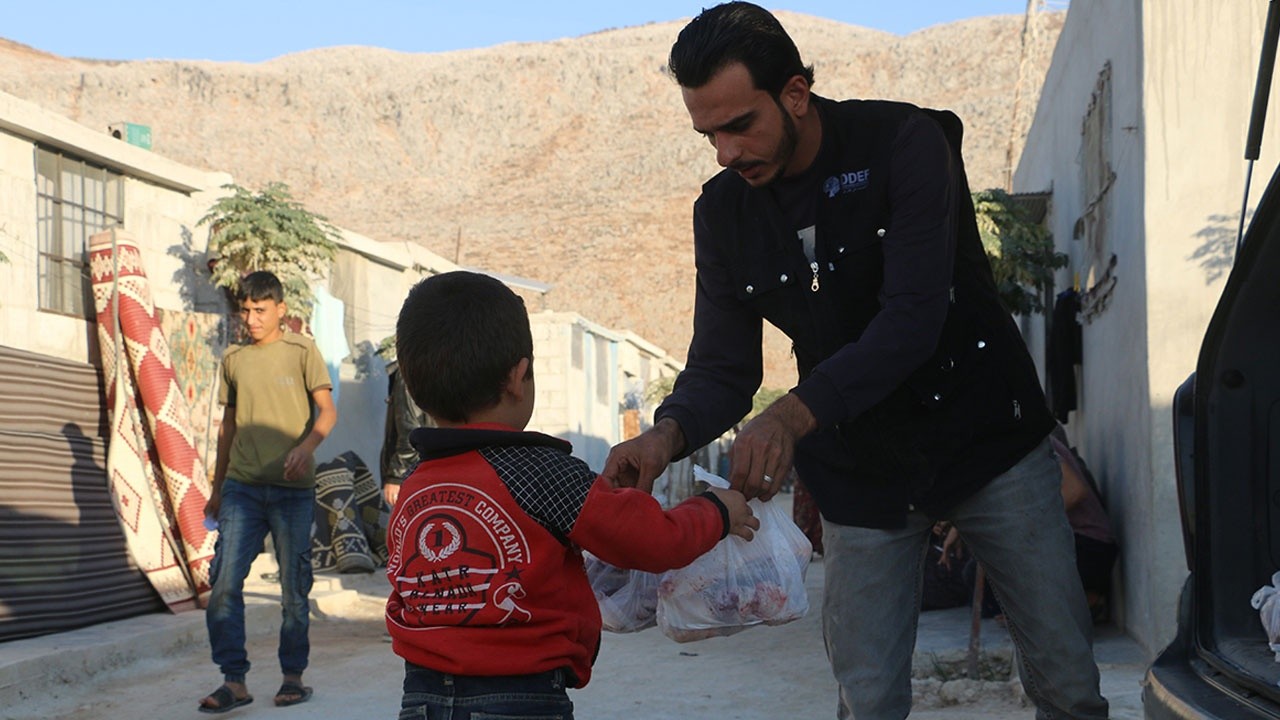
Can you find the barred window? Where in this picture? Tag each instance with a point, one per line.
(74, 199)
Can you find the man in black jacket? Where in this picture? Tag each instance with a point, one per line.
(848, 225)
(403, 417)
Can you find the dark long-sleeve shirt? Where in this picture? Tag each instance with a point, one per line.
(899, 339)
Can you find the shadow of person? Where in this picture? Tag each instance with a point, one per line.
(64, 563)
(102, 547)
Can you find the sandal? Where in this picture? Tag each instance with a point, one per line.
(292, 693)
(225, 699)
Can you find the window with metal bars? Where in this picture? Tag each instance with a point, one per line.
(74, 200)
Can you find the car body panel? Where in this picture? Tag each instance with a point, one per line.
(1227, 439)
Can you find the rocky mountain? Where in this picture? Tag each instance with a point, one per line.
(569, 162)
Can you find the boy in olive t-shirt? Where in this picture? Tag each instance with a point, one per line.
(278, 409)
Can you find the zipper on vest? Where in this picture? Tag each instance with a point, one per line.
(1017, 410)
(809, 238)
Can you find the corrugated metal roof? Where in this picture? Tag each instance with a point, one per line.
(1035, 203)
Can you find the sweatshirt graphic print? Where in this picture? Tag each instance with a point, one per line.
(464, 550)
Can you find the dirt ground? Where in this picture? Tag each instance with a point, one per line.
(755, 674)
(767, 672)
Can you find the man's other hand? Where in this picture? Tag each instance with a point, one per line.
(639, 461)
(764, 448)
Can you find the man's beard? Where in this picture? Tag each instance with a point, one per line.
(787, 147)
(782, 154)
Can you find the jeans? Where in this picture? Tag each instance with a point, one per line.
(246, 515)
(432, 695)
(1017, 528)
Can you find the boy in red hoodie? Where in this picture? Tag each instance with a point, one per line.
(490, 605)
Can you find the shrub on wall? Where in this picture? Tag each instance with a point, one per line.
(269, 230)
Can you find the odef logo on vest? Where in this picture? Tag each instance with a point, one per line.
(846, 182)
(458, 560)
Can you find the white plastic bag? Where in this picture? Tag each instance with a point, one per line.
(738, 583)
(1267, 602)
(628, 599)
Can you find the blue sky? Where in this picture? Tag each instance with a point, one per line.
(251, 31)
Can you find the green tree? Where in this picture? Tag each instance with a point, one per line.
(269, 230)
(1020, 250)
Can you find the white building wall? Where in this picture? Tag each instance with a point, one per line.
(570, 403)
(1181, 82)
(580, 385)
(175, 245)
(21, 323)
(1112, 425)
(577, 379)
(162, 220)
(551, 367)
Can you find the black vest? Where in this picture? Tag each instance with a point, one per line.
(968, 413)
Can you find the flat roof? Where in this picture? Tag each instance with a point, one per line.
(29, 121)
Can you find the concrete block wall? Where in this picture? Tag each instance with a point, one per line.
(551, 366)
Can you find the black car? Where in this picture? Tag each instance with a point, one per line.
(1227, 439)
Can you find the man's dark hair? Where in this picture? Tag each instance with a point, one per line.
(259, 286)
(457, 338)
(736, 32)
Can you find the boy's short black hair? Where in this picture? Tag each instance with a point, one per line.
(457, 338)
(259, 286)
(736, 32)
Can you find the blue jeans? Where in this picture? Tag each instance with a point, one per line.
(247, 514)
(431, 695)
(1017, 528)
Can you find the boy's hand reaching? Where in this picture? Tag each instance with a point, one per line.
(741, 522)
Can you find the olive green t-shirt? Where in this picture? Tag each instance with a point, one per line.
(270, 387)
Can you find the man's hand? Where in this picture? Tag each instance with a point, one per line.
(640, 460)
(297, 462)
(952, 546)
(214, 504)
(390, 492)
(301, 459)
(741, 521)
(763, 450)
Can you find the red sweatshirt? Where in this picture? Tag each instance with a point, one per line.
(486, 545)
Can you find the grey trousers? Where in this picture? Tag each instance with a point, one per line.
(1017, 528)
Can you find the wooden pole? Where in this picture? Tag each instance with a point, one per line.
(975, 624)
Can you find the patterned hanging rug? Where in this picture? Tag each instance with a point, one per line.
(157, 484)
